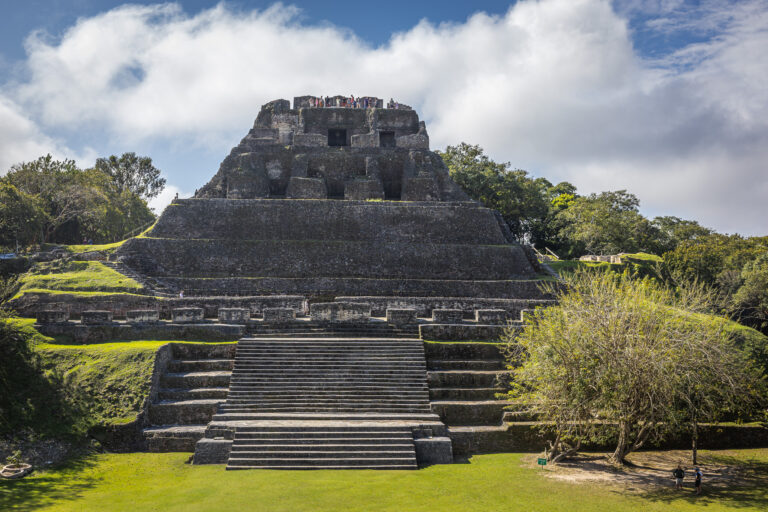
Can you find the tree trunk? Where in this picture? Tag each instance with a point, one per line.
(621, 445)
(695, 441)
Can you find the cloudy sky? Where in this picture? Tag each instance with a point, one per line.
(665, 98)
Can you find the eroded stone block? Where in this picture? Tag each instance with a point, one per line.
(433, 450)
(187, 315)
(491, 316)
(52, 317)
(310, 140)
(362, 190)
(339, 312)
(279, 315)
(306, 188)
(401, 316)
(234, 315)
(447, 316)
(96, 317)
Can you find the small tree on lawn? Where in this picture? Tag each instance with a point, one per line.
(626, 358)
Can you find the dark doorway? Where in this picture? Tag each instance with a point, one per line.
(337, 137)
(387, 139)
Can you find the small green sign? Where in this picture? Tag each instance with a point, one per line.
(542, 462)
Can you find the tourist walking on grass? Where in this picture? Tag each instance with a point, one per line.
(679, 474)
(697, 482)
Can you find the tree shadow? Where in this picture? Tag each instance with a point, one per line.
(67, 482)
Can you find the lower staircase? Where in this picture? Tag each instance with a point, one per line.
(317, 402)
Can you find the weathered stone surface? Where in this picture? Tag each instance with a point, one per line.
(492, 316)
(52, 317)
(339, 312)
(143, 331)
(367, 140)
(433, 450)
(401, 316)
(212, 451)
(187, 315)
(420, 188)
(234, 315)
(310, 140)
(361, 190)
(142, 315)
(425, 305)
(96, 317)
(455, 332)
(447, 316)
(279, 315)
(306, 188)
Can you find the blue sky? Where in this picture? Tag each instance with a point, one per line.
(665, 98)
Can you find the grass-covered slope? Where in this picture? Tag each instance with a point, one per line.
(641, 263)
(60, 391)
(77, 277)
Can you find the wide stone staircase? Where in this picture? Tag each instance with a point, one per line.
(324, 402)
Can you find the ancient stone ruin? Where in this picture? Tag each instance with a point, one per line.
(333, 243)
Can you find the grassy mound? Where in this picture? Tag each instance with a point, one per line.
(60, 391)
(641, 263)
(76, 277)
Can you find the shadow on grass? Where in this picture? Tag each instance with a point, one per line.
(66, 482)
(739, 484)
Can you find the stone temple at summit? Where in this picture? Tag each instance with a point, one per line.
(337, 247)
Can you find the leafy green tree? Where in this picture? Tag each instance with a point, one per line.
(674, 230)
(751, 299)
(78, 203)
(523, 201)
(607, 223)
(712, 258)
(133, 173)
(22, 218)
(627, 359)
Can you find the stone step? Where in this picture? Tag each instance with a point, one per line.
(339, 462)
(300, 400)
(317, 452)
(192, 394)
(320, 409)
(335, 466)
(182, 366)
(320, 393)
(195, 379)
(268, 439)
(186, 412)
(321, 445)
(464, 393)
(465, 379)
(309, 416)
(173, 438)
(456, 364)
(467, 413)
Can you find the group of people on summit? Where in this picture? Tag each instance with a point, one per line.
(350, 102)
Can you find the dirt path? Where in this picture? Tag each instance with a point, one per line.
(648, 471)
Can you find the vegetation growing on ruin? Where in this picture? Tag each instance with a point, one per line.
(76, 276)
(138, 482)
(62, 390)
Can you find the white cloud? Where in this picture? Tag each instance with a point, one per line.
(554, 86)
(165, 197)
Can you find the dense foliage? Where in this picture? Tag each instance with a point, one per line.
(49, 200)
(629, 359)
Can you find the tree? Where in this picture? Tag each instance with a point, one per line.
(674, 230)
(711, 258)
(608, 223)
(133, 173)
(751, 299)
(524, 202)
(21, 217)
(626, 358)
(76, 203)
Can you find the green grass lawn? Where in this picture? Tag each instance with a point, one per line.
(76, 276)
(489, 483)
